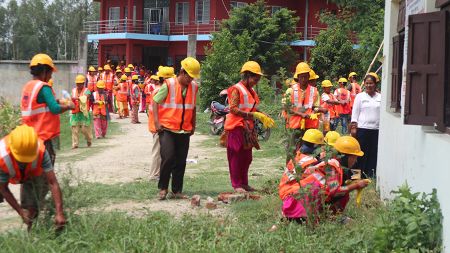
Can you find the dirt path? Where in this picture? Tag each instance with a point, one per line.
(122, 158)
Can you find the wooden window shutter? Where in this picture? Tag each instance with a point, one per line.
(395, 72)
(424, 100)
(401, 16)
(442, 3)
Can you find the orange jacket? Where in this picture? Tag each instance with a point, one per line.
(122, 93)
(109, 80)
(8, 163)
(148, 93)
(99, 109)
(38, 115)
(75, 96)
(356, 89)
(177, 113)
(248, 102)
(332, 111)
(303, 101)
(92, 82)
(342, 94)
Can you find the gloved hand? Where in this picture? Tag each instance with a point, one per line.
(267, 121)
(313, 116)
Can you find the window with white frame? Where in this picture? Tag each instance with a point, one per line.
(236, 4)
(202, 8)
(182, 13)
(113, 17)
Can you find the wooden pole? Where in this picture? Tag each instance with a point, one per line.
(374, 58)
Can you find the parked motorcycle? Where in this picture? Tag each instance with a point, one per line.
(218, 116)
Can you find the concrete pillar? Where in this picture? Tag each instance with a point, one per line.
(192, 45)
(82, 52)
(191, 11)
(130, 16)
(100, 53)
(129, 52)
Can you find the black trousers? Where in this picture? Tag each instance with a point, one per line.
(49, 147)
(368, 139)
(174, 150)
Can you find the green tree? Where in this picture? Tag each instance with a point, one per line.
(251, 33)
(333, 56)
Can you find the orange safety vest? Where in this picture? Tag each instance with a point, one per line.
(288, 187)
(248, 102)
(76, 95)
(122, 93)
(8, 163)
(38, 115)
(99, 109)
(177, 112)
(148, 93)
(133, 92)
(91, 82)
(332, 112)
(303, 100)
(302, 160)
(356, 89)
(151, 120)
(109, 80)
(342, 94)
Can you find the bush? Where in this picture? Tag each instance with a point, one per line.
(9, 117)
(413, 224)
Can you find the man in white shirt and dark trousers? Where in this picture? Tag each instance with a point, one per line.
(365, 124)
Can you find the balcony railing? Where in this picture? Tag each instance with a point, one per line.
(172, 28)
(145, 27)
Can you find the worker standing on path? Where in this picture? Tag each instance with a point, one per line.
(100, 111)
(115, 105)
(304, 107)
(329, 102)
(353, 87)
(150, 85)
(80, 116)
(135, 97)
(108, 77)
(158, 80)
(129, 75)
(122, 97)
(239, 125)
(174, 111)
(91, 79)
(39, 107)
(25, 161)
(343, 108)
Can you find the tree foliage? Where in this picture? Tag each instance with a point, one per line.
(251, 33)
(31, 26)
(366, 19)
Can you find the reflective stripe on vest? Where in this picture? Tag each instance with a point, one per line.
(305, 160)
(172, 104)
(243, 90)
(7, 159)
(29, 111)
(299, 104)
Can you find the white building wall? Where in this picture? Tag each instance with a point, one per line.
(417, 155)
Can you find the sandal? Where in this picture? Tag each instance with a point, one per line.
(162, 194)
(179, 195)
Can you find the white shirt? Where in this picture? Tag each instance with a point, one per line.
(366, 110)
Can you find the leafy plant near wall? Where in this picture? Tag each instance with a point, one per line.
(413, 224)
(9, 117)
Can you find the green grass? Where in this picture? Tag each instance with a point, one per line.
(245, 228)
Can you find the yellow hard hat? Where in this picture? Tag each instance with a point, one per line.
(43, 59)
(165, 72)
(313, 75)
(101, 84)
(123, 78)
(342, 80)
(106, 67)
(313, 136)
(326, 83)
(23, 142)
(331, 137)
(80, 79)
(119, 71)
(301, 68)
(348, 145)
(155, 77)
(135, 77)
(118, 67)
(50, 82)
(253, 67)
(130, 65)
(374, 75)
(91, 69)
(191, 66)
(127, 70)
(352, 74)
(100, 68)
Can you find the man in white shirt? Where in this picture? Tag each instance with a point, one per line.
(365, 123)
